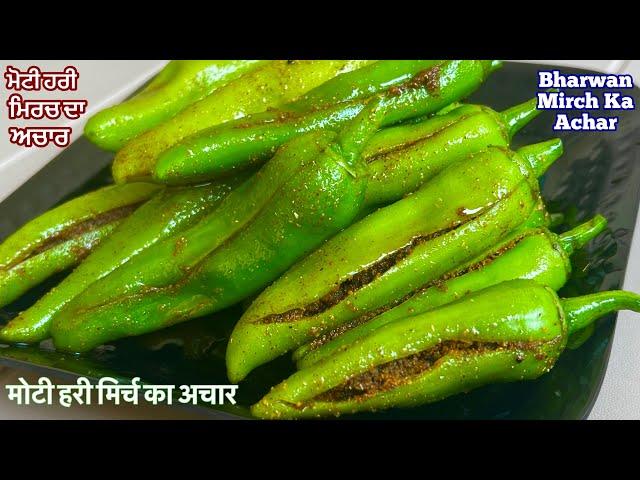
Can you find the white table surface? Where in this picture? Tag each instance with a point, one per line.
(104, 83)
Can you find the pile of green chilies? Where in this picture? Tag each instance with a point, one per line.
(384, 231)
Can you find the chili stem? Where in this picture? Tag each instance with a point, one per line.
(581, 235)
(516, 117)
(582, 311)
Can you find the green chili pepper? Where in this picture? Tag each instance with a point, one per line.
(311, 189)
(402, 158)
(535, 254)
(179, 84)
(508, 332)
(470, 206)
(249, 141)
(18, 279)
(61, 237)
(364, 82)
(420, 149)
(267, 86)
(168, 212)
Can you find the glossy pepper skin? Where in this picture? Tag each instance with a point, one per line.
(179, 84)
(268, 86)
(252, 140)
(311, 189)
(508, 332)
(61, 237)
(400, 159)
(360, 83)
(470, 206)
(168, 212)
(535, 254)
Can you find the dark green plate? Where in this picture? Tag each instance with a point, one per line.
(599, 173)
